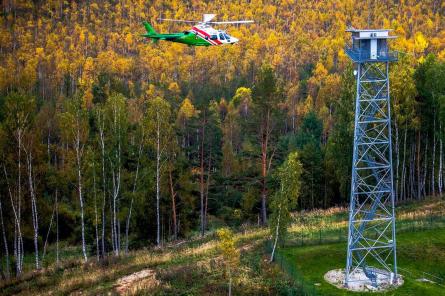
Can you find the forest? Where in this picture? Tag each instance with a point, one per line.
(113, 143)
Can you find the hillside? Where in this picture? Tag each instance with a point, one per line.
(112, 145)
(194, 267)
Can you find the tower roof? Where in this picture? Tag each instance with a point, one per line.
(359, 34)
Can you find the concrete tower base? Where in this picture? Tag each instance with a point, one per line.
(359, 282)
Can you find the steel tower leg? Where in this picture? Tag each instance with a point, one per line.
(371, 231)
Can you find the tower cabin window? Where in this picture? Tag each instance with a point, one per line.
(382, 47)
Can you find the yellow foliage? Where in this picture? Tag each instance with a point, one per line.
(288, 34)
(39, 51)
(129, 39)
(227, 247)
(187, 110)
(420, 43)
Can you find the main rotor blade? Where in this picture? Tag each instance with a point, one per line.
(178, 21)
(230, 22)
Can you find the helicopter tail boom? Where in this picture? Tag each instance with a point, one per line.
(149, 29)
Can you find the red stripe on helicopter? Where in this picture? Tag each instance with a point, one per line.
(203, 36)
(206, 39)
(215, 42)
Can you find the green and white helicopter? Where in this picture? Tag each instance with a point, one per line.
(201, 34)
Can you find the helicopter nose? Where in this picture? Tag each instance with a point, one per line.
(233, 40)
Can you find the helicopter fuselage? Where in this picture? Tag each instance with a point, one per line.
(199, 35)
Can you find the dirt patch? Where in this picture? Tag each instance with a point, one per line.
(144, 279)
(359, 281)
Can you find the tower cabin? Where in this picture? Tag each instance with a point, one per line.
(370, 46)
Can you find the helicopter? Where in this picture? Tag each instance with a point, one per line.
(201, 34)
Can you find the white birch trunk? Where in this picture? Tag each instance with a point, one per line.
(19, 258)
(433, 174)
(425, 168)
(57, 228)
(440, 159)
(95, 214)
(79, 152)
(116, 174)
(127, 226)
(5, 242)
(17, 226)
(277, 229)
(45, 245)
(35, 220)
(158, 160)
(397, 148)
(102, 146)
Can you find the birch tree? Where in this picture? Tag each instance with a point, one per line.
(19, 108)
(34, 212)
(101, 139)
(159, 134)
(116, 119)
(74, 130)
(285, 199)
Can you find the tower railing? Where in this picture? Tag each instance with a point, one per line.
(361, 55)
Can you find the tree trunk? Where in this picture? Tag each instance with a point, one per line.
(440, 159)
(45, 245)
(230, 284)
(397, 147)
(95, 214)
(264, 146)
(158, 160)
(277, 229)
(34, 213)
(201, 179)
(419, 196)
(433, 174)
(412, 169)
(127, 226)
(102, 145)
(79, 188)
(5, 242)
(173, 196)
(425, 167)
(403, 183)
(16, 208)
(20, 251)
(206, 201)
(57, 228)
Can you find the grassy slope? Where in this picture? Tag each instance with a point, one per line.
(418, 251)
(194, 267)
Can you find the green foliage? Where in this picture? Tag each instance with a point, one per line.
(307, 141)
(339, 146)
(286, 197)
(19, 109)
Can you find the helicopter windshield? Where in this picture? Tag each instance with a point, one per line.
(221, 36)
(227, 36)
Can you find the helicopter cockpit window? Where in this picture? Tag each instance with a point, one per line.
(221, 36)
(214, 37)
(227, 36)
